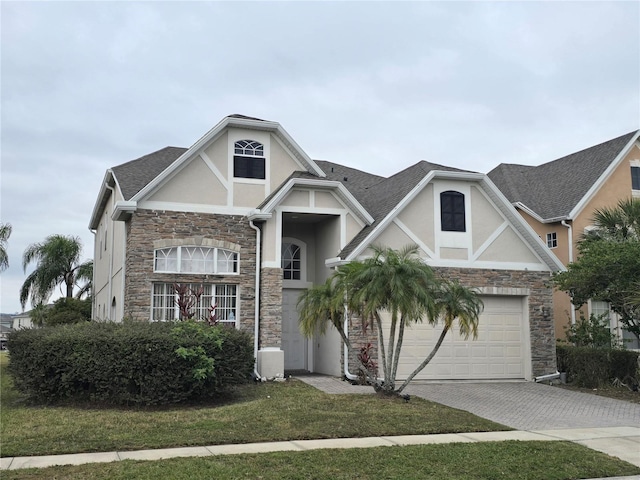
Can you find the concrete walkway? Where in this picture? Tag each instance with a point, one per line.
(609, 433)
(590, 437)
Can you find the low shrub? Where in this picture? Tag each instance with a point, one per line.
(593, 367)
(129, 363)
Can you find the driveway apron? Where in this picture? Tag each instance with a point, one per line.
(531, 406)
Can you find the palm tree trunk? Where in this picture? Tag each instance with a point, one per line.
(381, 343)
(69, 281)
(388, 381)
(396, 358)
(426, 360)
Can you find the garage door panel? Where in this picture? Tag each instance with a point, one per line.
(497, 353)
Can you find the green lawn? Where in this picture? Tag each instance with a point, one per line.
(287, 411)
(256, 413)
(495, 460)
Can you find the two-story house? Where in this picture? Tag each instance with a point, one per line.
(558, 199)
(245, 216)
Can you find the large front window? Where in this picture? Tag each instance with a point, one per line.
(195, 260)
(203, 302)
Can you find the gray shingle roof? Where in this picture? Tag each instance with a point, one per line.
(133, 176)
(553, 189)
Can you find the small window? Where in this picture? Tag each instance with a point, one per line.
(195, 260)
(248, 160)
(552, 240)
(635, 178)
(452, 212)
(291, 263)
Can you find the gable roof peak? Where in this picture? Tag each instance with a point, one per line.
(245, 117)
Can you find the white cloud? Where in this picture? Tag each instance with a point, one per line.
(375, 85)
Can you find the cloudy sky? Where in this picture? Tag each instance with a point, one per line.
(373, 85)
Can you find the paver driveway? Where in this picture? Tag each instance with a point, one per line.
(531, 406)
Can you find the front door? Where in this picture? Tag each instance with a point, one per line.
(293, 343)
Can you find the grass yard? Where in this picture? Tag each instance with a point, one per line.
(508, 460)
(255, 413)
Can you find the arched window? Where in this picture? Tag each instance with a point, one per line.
(187, 259)
(291, 262)
(452, 214)
(248, 160)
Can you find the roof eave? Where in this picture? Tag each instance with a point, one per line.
(101, 201)
(605, 175)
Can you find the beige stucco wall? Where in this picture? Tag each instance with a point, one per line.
(218, 153)
(353, 227)
(248, 194)
(508, 247)
(419, 215)
(296, 198)
(485, 219)
(326, 200)
(281, 163)
(108, 264)
(194, 183)
(393, 237)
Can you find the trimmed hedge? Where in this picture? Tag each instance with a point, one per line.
(129, 363)
(593, 367)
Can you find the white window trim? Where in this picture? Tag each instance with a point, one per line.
(179, 260)
(236, 323)
(302, 283)
(552, 237)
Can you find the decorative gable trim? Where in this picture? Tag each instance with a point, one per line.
(338, 188)
(604, 177)
(216, 132)
(521, 227)
(405, 201)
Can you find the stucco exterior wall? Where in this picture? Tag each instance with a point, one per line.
(195, 183)
(108, 265)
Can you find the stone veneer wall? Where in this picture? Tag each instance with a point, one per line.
(535, 285)
(271, 308)
(164, 227)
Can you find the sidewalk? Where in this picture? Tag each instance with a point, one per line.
(622, 442)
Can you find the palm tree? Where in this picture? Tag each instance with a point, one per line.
(620, 223)
(5, 233)
(57, 263)
(397, 283)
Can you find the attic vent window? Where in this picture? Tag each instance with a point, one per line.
(249, 160)
(452, 213)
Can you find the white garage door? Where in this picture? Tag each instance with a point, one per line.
(497, 353)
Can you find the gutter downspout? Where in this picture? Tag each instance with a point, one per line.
(347, 373)
(570, 235)
(256, 321)
(93, 279)
(113, 227)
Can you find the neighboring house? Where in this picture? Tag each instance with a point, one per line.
(558, 199)
(22, 320)
(246, 214)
